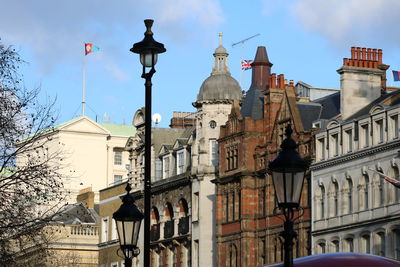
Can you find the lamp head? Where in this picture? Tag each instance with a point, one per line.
(148, 48)
(288, 171)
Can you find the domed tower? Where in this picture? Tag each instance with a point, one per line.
(214, 103)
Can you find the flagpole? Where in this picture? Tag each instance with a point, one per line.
(83, 84)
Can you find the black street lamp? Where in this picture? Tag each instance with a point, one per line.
(128, 219)
(148, 49)
(288, 171)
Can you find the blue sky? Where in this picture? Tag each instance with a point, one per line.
(305, 39)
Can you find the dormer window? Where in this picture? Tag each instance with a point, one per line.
(349, 140)
(165, 167)
(365, 135)
(321, 148)
(379, 131)
(180, 162)
(335, 144)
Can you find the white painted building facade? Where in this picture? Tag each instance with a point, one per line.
(354, 209)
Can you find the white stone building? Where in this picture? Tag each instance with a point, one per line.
(354, 209)
(93, 153)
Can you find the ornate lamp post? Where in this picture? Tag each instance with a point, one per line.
(148, 49)
(128, 219)
(288, 171)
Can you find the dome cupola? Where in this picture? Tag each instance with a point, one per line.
(219, 85)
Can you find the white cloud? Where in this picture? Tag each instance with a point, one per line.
(351, 22)
(56, 30)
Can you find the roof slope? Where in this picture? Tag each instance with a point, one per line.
(119, 129)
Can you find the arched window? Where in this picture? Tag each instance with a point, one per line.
(278, 249)
(233, 256)
(396, 243)
(348, 244)
(365, 243)
(378, 190)
(335, 245)
(183, 208)
(333, 199)
(364, 192)
(379, 244)
(320, 202)
(169, 221)
(393, 191)
(155, 224)
(348, 196)
(321, 247)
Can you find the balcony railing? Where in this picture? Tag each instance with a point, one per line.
(183, 225)
(155, 232)
(168, 229)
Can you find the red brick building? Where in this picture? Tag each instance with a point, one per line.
(247, 225)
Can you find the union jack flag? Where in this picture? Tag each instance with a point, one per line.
(394, 182)
(246, 64)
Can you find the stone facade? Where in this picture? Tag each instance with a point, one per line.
(354, 208)
(248, 226)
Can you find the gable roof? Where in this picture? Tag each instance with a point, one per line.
(119, 129)
(77, 213)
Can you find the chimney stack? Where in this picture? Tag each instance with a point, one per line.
(362, 79)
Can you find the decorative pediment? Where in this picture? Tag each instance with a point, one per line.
(332, 124)
(377, 109)
(84, 125)
(165, 149)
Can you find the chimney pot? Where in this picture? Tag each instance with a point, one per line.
(273, 78)
(379, 56)
(358, 52)
(364, 53)
(374, 55)
(369, 54)
(353, 52)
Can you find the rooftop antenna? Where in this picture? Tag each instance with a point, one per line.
(241, 53)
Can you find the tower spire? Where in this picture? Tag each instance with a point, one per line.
(220, 59)
(220, 38)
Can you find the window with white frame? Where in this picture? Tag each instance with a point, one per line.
(165, 167)
(365, 135)
(158, 171)
(214, 152)
(117, 157)
(104, 229)
(114, 234)
(180, 162)
(117, 178)
(394, 125)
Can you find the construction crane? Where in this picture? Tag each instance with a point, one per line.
(241, 56)
(244, 40)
